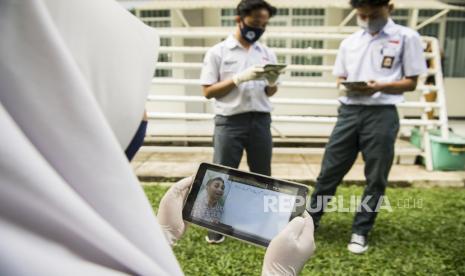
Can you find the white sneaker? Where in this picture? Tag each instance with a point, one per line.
(214, 241)
(358, 244)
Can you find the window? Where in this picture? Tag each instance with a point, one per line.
(305, 59)
(308, 17)
(164, 58)
(454, 45)
(400, 16)
(278, 43)
(228, 17)
(281, 18)
(155, 13)
(156, 18)
(308, 12)
(159, 19)
(431, 29)
(228, 12)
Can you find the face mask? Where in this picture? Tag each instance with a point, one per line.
(372, 26)
(251, 34)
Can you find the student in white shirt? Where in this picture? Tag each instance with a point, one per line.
(389, 57)
(233, 75)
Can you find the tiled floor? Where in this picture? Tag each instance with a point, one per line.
(168, 167)
(150, 166)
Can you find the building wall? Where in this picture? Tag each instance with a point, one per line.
(455, 96)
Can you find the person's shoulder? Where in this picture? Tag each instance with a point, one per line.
(406, 32)
(218, 47)
(355, 35)
(409, 32)
(351, 38)
(216, 50)
(262, 46)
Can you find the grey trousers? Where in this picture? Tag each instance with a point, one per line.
(249, 131)
(371, 130)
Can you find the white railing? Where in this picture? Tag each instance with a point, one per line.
(278, 51)
(293, 67)
(293, 101)
(424, 122)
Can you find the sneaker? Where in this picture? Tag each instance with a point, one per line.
(358, 244)
(214, 238)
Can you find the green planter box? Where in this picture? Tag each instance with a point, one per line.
(416, 137)
(448, 154)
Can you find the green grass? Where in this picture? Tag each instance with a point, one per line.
(426, 240)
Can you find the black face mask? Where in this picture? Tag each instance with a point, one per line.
(251, 34)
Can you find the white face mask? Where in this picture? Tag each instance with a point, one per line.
(372, 26)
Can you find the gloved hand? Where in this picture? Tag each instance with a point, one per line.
(252, 73)
(272, 77)
(170, 210)
(290, 249)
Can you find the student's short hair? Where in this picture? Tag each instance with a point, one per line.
(371, 3)
(215, 179)
(246, 7)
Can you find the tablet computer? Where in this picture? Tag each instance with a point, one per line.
(353, 85)
(246, 206)
(274, 67)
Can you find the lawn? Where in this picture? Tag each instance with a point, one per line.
(425, 239)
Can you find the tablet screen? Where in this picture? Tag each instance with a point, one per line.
(246, 206)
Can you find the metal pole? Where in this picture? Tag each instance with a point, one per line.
(432, 19)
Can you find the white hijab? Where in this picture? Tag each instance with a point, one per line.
(73, 81)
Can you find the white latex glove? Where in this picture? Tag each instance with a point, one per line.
(272, 77)
(170, 210)
(252, 73)
(290, 249)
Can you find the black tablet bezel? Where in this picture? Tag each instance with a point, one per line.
(274, 67)
(354, 84)
(269, 183)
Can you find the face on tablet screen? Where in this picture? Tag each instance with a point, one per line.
(209, 204)
(246, 206)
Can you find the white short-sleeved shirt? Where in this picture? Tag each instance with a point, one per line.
(228, 58)
(396, 52)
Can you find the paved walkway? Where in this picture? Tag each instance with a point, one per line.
(168, 167)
